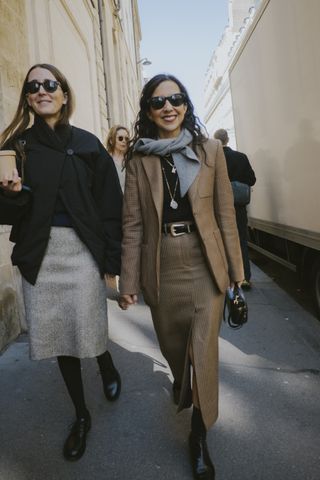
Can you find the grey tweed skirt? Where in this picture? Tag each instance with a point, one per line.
(66, 310)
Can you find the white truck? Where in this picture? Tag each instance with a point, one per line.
(275, 88)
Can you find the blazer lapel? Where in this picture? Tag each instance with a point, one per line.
(152, 167)
(193, 190)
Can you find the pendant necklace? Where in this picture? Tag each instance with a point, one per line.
(172, 165)
(173, 203)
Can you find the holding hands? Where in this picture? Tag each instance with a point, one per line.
(124, 301)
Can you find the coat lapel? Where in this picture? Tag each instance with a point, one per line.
(152, 167)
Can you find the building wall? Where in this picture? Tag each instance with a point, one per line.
(66, 33)
(14, 62)
(218, 101)
(96, 45)
(120, 41)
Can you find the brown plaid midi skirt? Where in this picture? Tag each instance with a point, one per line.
(190, 310)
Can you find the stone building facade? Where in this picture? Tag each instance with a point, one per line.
(95, 43)
(218, 102)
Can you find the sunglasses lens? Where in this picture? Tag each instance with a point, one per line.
(177, 99)
(157, 102)
(50, 85)
(121, 138)
(32, 87)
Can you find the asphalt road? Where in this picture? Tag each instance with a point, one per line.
(269, 423)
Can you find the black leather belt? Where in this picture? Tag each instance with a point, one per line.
(176, 229)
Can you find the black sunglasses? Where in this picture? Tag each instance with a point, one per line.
(121, 138)
(176, 100)
(50, 86)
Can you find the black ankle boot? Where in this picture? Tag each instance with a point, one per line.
(75, 444)
(201, 463)
(110, 377)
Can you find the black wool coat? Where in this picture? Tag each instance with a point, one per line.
(70, 163)
(239, 168)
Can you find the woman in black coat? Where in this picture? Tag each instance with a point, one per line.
(65, 207)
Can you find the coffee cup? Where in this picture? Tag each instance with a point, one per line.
(7, 164)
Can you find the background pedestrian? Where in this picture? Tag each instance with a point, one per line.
(117, 145)
(239, 169)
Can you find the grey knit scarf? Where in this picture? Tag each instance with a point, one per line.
(184, 158)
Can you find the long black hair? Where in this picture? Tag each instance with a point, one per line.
(146, 128)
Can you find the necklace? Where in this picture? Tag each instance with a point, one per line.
(172, 165)
(173, 203)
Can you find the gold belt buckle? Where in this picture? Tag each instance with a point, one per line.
(173, 231)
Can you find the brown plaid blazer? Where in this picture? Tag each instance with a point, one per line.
(211, 201)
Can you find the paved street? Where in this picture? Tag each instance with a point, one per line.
(269, 423)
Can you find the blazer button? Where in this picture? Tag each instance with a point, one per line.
(70, 151)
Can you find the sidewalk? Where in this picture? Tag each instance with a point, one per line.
(269, 423)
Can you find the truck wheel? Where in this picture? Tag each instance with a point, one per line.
(315, 284)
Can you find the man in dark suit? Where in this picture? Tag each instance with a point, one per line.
(239, 169)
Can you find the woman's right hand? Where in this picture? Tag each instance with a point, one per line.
(125, 301)
(13, 186)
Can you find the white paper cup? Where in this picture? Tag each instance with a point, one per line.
(7, 164)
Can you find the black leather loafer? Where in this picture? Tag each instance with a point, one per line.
(110, 378)
(111, 384)
(75, 444)
(201, 463)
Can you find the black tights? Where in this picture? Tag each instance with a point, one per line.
(70, 368)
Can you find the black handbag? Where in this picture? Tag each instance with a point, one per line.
(241, 193)
(237, 307)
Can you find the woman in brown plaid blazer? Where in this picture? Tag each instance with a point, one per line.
(180, 247)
